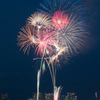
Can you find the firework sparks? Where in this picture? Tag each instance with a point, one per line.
(74, 35)
(69, 21)
(41, 40)
(45, 42)
(60, 20)
(68, 6)
(26, 38)
(40, 20)
(59, 53)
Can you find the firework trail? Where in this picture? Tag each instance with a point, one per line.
(57, 91)
(40, 58)
(38, 78)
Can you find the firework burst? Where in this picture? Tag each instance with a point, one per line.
(74, 35)
(60, 20)
(40, 20)
(26, 38)
(69, 21)
(45, 43)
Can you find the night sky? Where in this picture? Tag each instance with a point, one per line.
(18, 71)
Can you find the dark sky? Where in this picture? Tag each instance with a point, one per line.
(18, 71)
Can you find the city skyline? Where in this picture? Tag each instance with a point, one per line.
(49, 96)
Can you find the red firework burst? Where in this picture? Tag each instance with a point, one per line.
(60, 20)
(45, 43)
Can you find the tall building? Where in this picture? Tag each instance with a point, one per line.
(70, 96)
(48, 96)
(35, 96)
(4, 96)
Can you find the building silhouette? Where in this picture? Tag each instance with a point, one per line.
(48, 96)
(4, 96)
(70, 96)
(35, 96)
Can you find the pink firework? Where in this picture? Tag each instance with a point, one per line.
(45, 43)
(60, 20)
